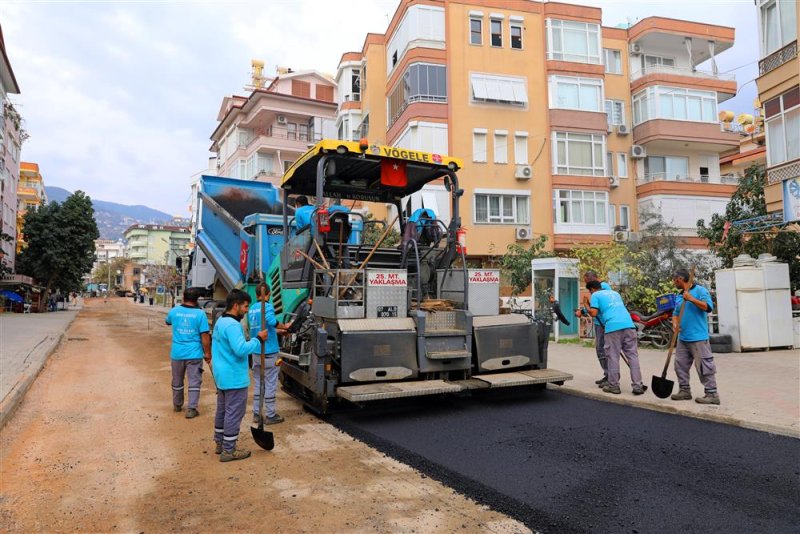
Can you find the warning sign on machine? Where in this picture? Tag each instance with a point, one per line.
(387, 279)
(484, 277)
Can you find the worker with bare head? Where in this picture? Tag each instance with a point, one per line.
(599, 338)
(302, 212)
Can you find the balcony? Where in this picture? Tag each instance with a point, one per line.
(777, 58)
(727, 179)
(681, 71)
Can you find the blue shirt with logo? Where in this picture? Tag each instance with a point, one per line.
(612, 312)
(694, 325)
(254, 319)
(603, 285)
(187, 325)
(302, 216)
(229, 353)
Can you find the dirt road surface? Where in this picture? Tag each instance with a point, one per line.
(96, 447)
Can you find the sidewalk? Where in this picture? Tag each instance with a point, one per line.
(758, 390)
(26, 341)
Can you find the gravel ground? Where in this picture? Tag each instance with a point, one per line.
(560, 463)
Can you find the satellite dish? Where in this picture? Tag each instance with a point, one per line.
(725, 116)
(744, 118)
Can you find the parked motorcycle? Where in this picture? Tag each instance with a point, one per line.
(655, 329)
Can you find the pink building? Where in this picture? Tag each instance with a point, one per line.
(260, 135)
(10, 143)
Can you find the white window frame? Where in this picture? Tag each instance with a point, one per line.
(777, 123)
(610, 163)
(515, 23)
(521, 154)
(479, 145)
(625, 216)
(786, 10)
(556, 50)
(503, 195)
(616, 55)
(596, 141)
(492, 20)
(479, 19)
(668, 173)
(504, 90)
(575, 219)
(622, 164)
(620, 105)
(594, 104)
(612, 215)
(648, 104)
(501, 146)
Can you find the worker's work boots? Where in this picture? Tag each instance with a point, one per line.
(638, 390)
(177, 408)
(218, 448)
(709, 398)
(235, 454)
(191, 413)
(608, 388)
(682, 394)
(274, 420)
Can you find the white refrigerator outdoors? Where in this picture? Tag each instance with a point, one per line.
(754, 306)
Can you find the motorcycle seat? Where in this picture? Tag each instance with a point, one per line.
(644, 318)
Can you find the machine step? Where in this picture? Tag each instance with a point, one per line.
(395, 390)
(447, 355)
(523, 378)
(443, 332)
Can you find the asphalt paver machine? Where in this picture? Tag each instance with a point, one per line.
(373, 322)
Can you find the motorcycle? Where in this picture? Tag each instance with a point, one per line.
(655, 329)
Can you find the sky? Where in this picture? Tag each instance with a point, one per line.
(120, 97)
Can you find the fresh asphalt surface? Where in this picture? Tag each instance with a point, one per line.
(561, 463)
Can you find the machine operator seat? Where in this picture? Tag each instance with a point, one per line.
(338, 238)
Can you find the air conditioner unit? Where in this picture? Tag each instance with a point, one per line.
(638, 152)
(622, 129)
(281, 119)
(620, 236)
(523, 172)
(613, 181)
(523, 234)
(634, 236)
(635, 49)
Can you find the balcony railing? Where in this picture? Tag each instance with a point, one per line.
(280, 132)
(777, 58)
(680, 71)
(699, 179)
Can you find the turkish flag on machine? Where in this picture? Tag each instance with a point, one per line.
(243, 253)
(393, 173)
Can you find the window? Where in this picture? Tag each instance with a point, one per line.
(612, 215)
(778, 24)
(479, 145)
(516, 35)
(500, 146)
(579, 154)
(355, 85)
(521, 148)
(624, 216)
(666, 168)
(302, 132)
(502, 209)
(264, 163)
(610, 163)
(568, 92)
(581, 207)
(475, 31)
(499, 89)
(325, 92)
(654, 62)
(420, 83)
(245, 136)
(615, 110)
(622, 164)
(394, 58)
(573, 41)
(301, 88)
(242, 171)
(783, 127)
(496, 27)
(674, 103)
(286, 165)
(291, 130)
(612, 59)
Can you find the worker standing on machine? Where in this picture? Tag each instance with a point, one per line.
(599, 330)
(229, 354)
(271, 369)
(302, 212)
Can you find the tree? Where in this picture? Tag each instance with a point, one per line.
(515, 265)
(60, 242)
(373, 232)
(728, 240)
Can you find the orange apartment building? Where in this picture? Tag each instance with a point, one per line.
(567, 128)
(30, 194)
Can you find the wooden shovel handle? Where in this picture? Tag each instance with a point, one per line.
(674, 341)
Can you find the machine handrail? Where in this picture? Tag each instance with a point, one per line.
(404, 263)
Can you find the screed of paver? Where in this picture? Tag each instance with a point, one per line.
(96, 447)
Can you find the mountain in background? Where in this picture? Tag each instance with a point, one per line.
(112, 218)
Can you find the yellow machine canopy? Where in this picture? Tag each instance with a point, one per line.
(358, 171)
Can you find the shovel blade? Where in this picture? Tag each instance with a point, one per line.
(263, 439)
(662, 387)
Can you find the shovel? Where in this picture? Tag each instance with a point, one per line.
(661, 386)
(263, 438)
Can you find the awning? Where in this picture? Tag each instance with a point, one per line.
(10, 295)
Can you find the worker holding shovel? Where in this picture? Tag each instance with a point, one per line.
(693, 345)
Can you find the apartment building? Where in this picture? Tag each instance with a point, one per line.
(779, 94)
(30, 194)
(260, 135)
(156, 244)
(567, 128)
(10, 143)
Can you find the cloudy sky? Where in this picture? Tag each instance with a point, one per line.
(120, 97)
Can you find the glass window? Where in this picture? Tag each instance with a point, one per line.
(573, 41)
(624, 216)
(516, 36)
(622, 165)
(500, 147)
(610, 163)
(502, 209)
(783, 127)
(420, 83)
(475, 31)
(521, 149)
(615, 111)
(612, 215)
(612, 59)
(666, 168)
(674, 103)
(579, 154)
(499, 89)
(479, 147)
(497, 32)
(576, 93)
(291, 130)
(778, 24)
(580, 207)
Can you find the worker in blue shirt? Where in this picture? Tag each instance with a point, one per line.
(271, 348)
(302, 212)
(599, 331)
(191, 343)
(693, 343)
(620, 335)
(229, 354)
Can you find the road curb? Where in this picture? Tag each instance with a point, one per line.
(9, 405)
(724, 419)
